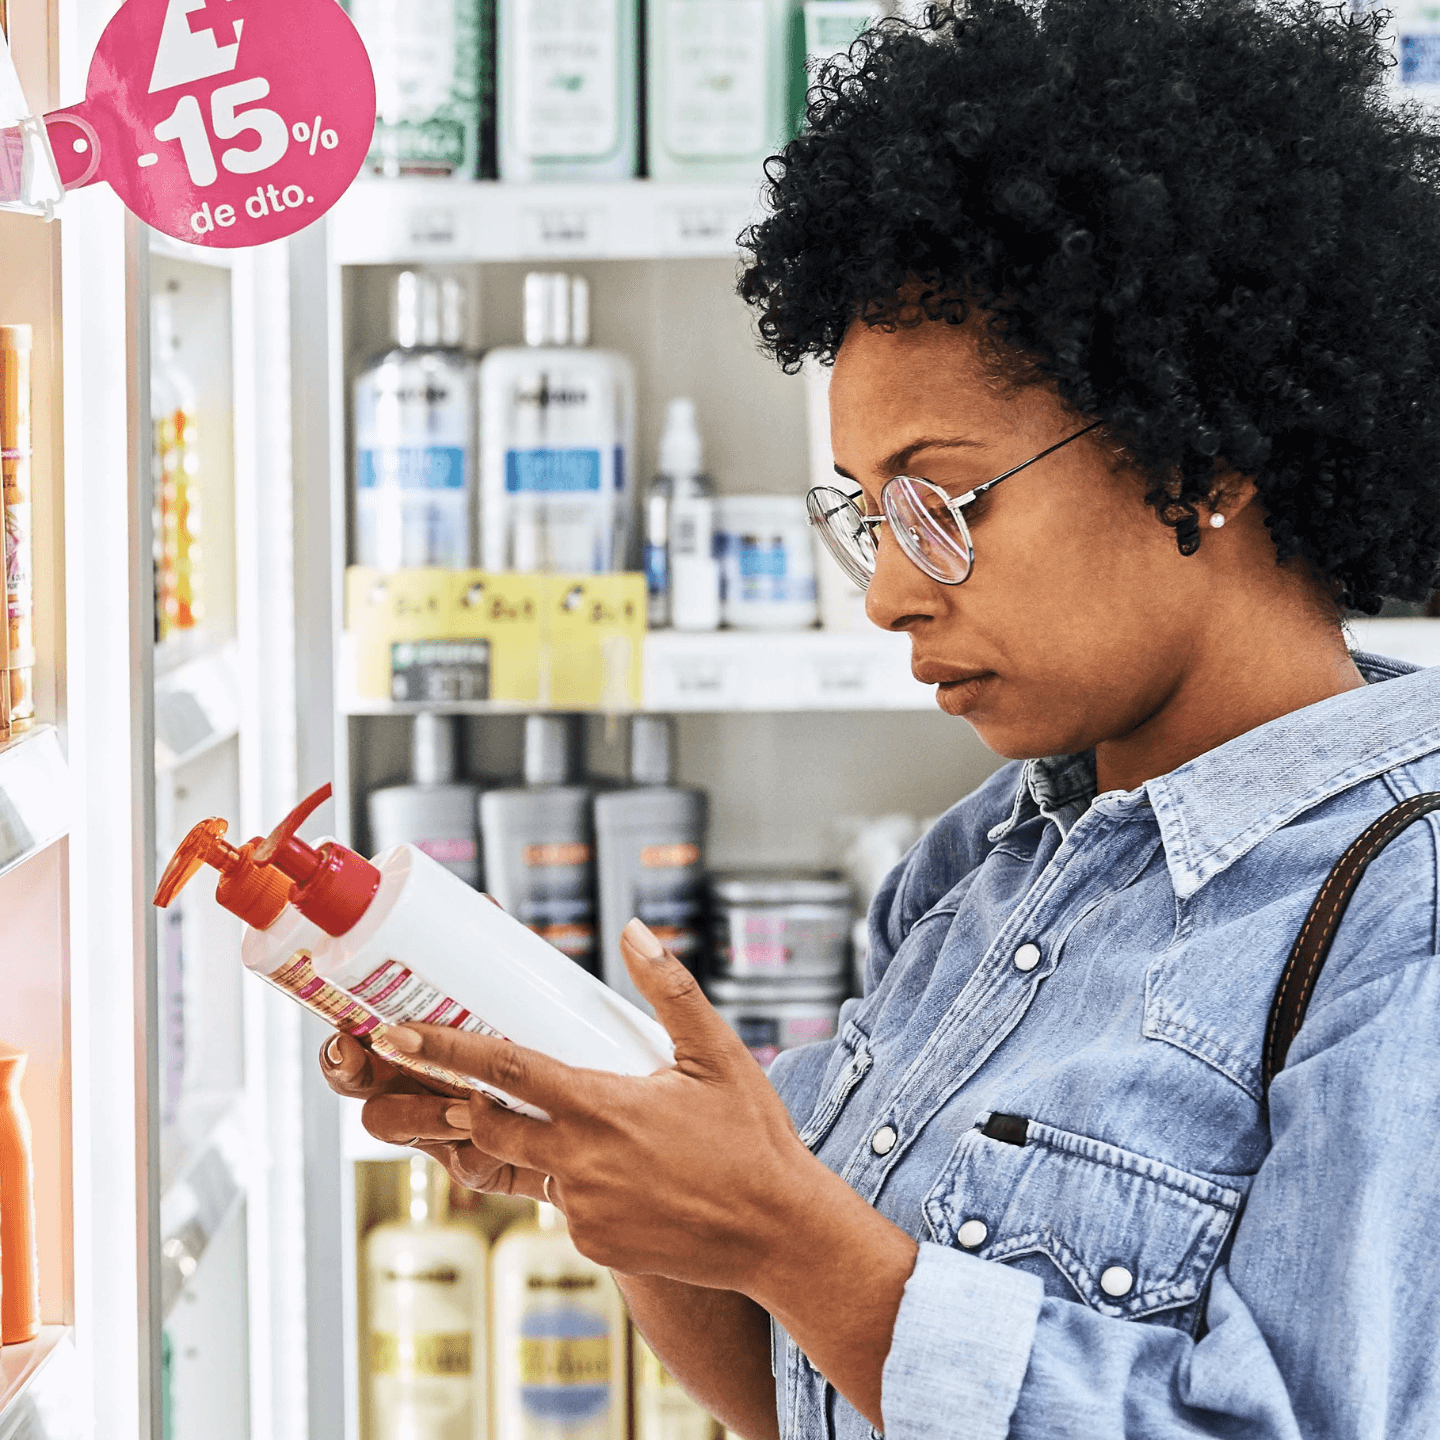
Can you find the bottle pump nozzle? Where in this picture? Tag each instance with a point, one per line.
(331, 886)
(256, 893)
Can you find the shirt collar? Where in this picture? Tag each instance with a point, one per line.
(1217, 807)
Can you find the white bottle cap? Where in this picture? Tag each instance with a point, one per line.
(694, 592)
(681, 451)
(417, 310)
(652, 750)
(557, 309)
(432, 753)
(549, 747)
(453, 299)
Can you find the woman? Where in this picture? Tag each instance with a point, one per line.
(1172, 269)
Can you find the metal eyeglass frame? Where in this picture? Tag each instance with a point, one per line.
(850, 562)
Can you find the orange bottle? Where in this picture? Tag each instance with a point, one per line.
(19, 1264)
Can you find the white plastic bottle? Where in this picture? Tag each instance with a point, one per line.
(412, 942)
(718, 86)
(768, 564)
(559, 1337)
(414, 435)
(557, 424)
(694, 568)
(568, 107)
(426, 1280)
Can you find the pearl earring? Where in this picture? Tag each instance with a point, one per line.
(1217, 520)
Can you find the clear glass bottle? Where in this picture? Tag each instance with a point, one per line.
(415, 435)
(557, 425)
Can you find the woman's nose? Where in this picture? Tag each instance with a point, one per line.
(899, 596)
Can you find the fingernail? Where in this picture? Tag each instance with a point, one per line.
(402, 1037)
(332, 1051)
(457, 1116)
(639, 934)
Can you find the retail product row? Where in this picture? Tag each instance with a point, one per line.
(478, 1317)
(677, 89)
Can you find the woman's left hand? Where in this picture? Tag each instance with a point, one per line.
(694, 1173)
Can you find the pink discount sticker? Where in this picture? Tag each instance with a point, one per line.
(222, 122)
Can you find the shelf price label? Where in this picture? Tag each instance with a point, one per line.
(222, 122)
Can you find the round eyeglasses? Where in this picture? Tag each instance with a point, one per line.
(928, 524)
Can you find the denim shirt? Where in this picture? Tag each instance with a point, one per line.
(1053, 1084)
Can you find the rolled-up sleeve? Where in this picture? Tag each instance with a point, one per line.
(1323, 1324)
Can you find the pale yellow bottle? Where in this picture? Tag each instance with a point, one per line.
(426, 1353)
(663, 1411)
(560, 1331)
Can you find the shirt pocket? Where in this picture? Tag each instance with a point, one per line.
(1131, 1237)
(849, 1067)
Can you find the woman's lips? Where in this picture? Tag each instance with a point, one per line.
(956, 691)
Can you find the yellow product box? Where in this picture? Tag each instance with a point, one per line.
(430, 637)
(444, 636)
(594, 630)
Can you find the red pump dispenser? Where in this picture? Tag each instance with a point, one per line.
(332, 886)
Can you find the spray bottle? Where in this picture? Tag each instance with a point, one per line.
(411, 942)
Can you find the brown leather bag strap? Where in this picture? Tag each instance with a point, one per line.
(1312, 944)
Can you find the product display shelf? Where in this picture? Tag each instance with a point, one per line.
(732, 670)
(34, 809)
(403, 221)
(197, 706)
(37, 1388)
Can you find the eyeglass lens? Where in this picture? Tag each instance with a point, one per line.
(837, 518)
(929, 531)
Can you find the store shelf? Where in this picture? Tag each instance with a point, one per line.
(203, 1177)
(34, 795)
(1417, 641)
(197, 704)
(732, 670)
(382, 222)
(38, 1388)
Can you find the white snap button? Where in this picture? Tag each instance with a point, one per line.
(882, 1142)
(1027, 957)
(972, 1233)
(1117, 1281)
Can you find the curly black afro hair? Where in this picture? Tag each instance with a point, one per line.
(1204, 222)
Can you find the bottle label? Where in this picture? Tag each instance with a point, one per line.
(550, 472)
(565, 1370)
(669, 857)
(420, 1354)
(566, 100)
(397, 994)
(412, 467)
(715, 86)
(17, 558)
(572, 852)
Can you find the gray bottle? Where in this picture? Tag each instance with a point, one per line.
(538, 842)
(650, 848)
(435, 812)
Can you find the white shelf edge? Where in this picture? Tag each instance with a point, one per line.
(203, 1191)
(34, 789)
(38, 1388)
(406, 221)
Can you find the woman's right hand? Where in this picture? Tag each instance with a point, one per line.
(401, 1111)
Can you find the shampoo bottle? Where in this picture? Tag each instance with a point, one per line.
(414, 435)
(411, 942)
(178, 584)
(650, 855)
(568, 104)
(559, 1337)
(539, 844)
(557, 422)
(718, 87)
(435, 812)
(426, 1282)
